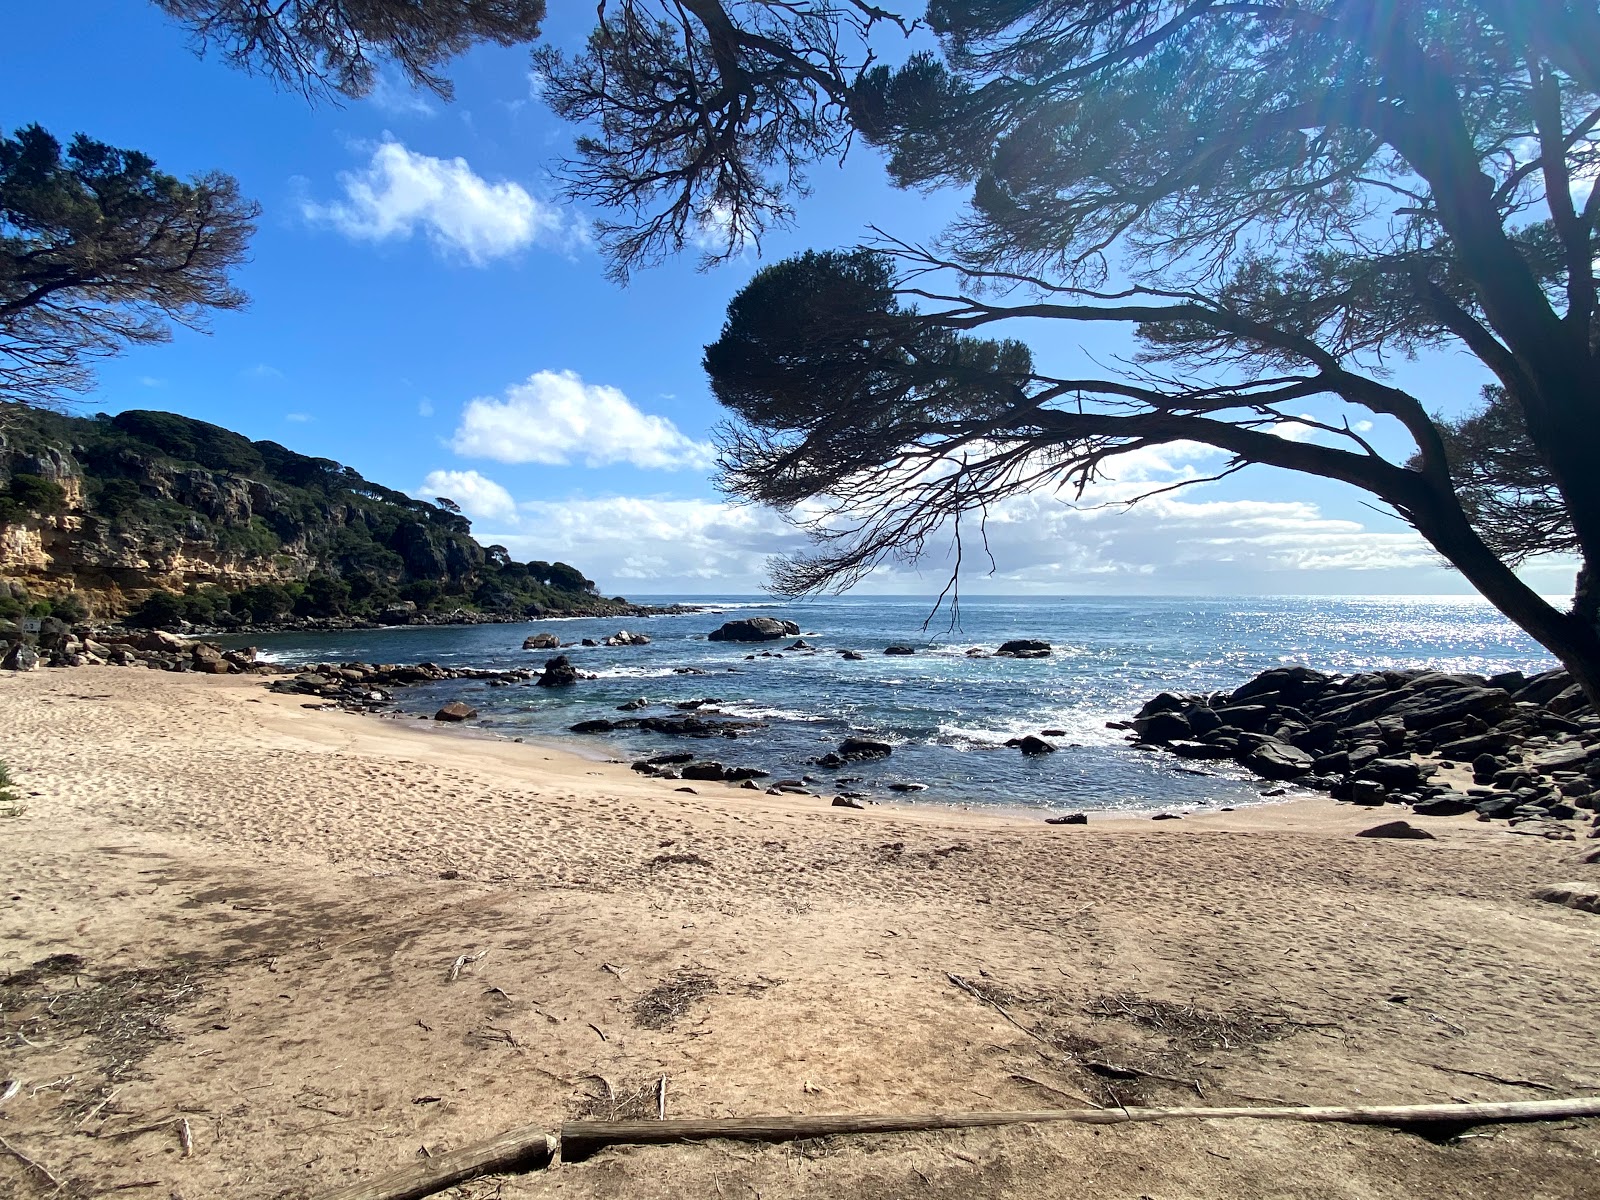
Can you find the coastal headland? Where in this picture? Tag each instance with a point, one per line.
(252, 950)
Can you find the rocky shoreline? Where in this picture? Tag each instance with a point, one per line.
(399, 618)
(1505, 747)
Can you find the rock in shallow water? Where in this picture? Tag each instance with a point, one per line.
(456, 710)
(558, 672)
(754, 629)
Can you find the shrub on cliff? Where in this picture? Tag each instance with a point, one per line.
(158, 610)
(27, 495)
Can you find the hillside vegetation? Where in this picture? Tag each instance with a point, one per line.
(164, 519)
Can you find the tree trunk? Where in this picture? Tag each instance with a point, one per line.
(1573, 637)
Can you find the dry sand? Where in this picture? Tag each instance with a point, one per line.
(258, 897)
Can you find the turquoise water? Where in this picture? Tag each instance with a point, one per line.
(948, 715)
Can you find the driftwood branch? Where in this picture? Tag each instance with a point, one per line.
(517, 1150)
(579, 1138)
(530, 1147)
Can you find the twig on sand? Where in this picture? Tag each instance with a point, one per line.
(182, 1122)
(600, 1031)
(978, 994)
(1039, 1083)
(93, 1112)
(1109, 1070)
(185, 1137)
(1527, 1083)
(465, 960)
(36, 1167)
(661, 1099)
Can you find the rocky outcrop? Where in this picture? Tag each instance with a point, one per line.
(558, 672)
(754, 629)
(541, 641)
(1382, 737)
(1024, 648)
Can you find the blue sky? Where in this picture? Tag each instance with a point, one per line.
(426, 308)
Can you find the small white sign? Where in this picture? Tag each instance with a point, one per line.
(32, 624)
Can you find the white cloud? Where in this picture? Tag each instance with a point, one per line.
(479, 498)
(298, 418)
(424, 407)
(554, 417)
(460, 212)
(397, 99)
(1182, 544)
(651, 544)
(261, 373)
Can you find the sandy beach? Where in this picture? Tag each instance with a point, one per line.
(267, 905)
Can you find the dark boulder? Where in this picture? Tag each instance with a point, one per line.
(1164, 702)
(863, 750)
(1442, 806)
(900, 649)
(601, 725)
(754, 629)
(1163, 726)
(1396, 774)
(1069, 819)
(1031, 745)
(558, 672)
(845, 802)
(1199, 750)
(456, 710)
(21, 657)
(1279, 760)
(1293, 684)
(541, 641)
(1424, 710)
(1368, 792)
(1543, 688)
(1252, 717)
(1397, 829)
(1024, 648)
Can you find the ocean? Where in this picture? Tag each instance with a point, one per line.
(947, 715)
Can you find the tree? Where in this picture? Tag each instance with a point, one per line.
(335, 47)
(1505, 487)
(99, 250)
(1274, 198)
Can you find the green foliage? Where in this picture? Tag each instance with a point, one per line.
(1505, 483)
(253, 541)
(69, 608)
(158, 610)
(27, 495)
(99, 250)
(188, 440)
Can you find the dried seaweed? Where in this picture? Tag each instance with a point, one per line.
(1188, 1027)
(126, 1014)
(669, 1001)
